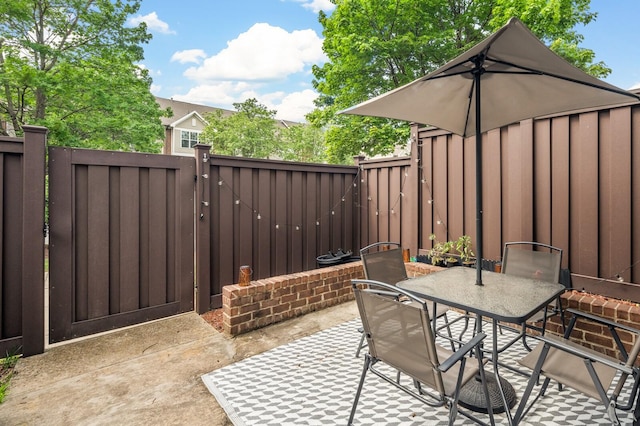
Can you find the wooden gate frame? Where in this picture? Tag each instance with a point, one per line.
(105, 313)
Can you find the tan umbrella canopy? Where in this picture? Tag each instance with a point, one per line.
(520, 78)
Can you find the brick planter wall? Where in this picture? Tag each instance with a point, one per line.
(272, 300)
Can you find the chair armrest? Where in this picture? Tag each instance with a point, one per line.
(462, 352)
(393, 294)
(601, 320)
(584, 353)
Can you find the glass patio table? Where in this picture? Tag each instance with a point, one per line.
(502, 298)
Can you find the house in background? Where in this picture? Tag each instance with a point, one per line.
(182, 130)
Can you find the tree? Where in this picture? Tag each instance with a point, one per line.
(375, 46)
(69, 65)
(302, 142)
(251, 132)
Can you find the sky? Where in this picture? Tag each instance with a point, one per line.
(221, 52)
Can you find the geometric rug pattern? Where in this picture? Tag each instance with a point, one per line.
(312, 381)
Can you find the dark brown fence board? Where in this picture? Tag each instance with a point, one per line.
(97, 267)
(5, 320)
(157, 237)
(371, 182)
(246, 219)
(546, 131)
(635, 193)
(427, 214)
(584, 199)
(61, 259)
(296, 253)
(263, 265)
(558, 212)
(129, 241)
(279, 223)
(222, 242)
(491, 194)
(312, 222)
(12, 265)
(618, 142)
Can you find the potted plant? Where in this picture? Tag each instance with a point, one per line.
(438, 251)
(451, 259)
(463, 247)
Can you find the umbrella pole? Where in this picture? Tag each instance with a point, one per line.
(476, 77)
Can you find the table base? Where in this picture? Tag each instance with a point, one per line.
(472, 394)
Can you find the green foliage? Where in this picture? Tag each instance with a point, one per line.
(251, 132)
(70, 66)
(254, 132)
(301, 143)
(375, 46)
(463, 247)
(6, 372)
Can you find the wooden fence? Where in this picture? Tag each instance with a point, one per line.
(566, 180)
(275, 217)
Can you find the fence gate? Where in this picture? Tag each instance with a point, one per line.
(121, 242)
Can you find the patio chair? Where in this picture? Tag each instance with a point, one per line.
(584, 370)
(383, 262)
(539, 261)
(400, 335)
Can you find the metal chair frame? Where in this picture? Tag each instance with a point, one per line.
(387, 265)
(554, 357)
(543, 262)
(400, 335)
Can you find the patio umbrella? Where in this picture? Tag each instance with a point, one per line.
(520, 78)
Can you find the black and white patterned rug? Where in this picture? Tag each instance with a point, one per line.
(312, 381)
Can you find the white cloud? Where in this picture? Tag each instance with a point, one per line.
(317, 5)
(292, 106)
(635, 86)
(262, 53)
(190, 55)
(155, 88)
(154, 23)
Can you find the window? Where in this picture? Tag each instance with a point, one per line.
(188, 139)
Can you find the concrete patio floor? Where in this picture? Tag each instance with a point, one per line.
(148, 374)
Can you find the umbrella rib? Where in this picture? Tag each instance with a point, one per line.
(573, 80)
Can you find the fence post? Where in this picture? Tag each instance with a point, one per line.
(33, 222)
(203, 228)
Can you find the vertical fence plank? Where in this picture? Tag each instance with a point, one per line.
(97, 285)
(584, 196)
(559, 193)
(129, 249)
(618, 143)
(492, 194)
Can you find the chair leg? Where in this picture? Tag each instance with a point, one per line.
(360, 345)
(367, 364)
